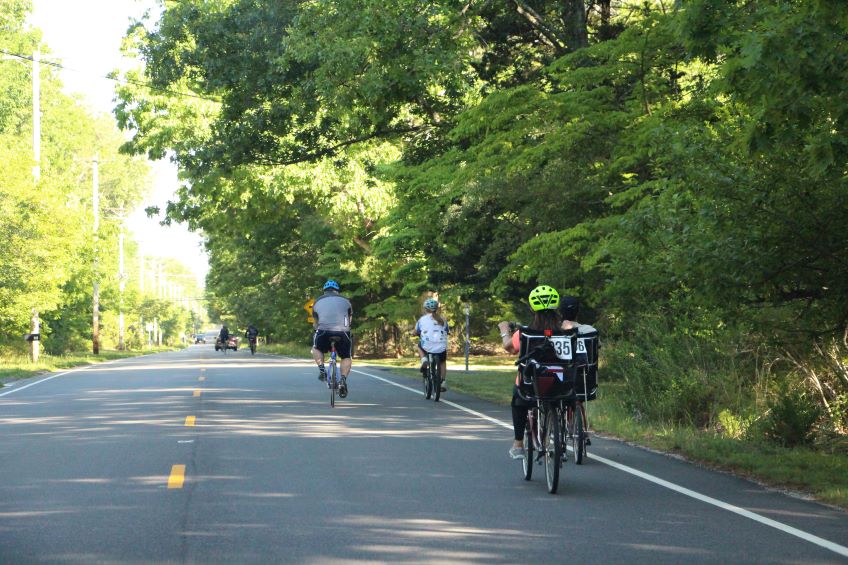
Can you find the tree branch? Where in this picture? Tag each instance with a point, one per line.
(548, 35)
(327, 151)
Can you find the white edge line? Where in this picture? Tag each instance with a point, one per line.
(821, 542)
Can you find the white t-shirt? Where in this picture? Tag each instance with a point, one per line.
(434, 336)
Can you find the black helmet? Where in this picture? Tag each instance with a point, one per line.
(569, 307)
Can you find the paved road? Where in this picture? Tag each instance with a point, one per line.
(89, 472)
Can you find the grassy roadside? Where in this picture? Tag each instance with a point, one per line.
(288, 349)
(821, 474)
(14, 367)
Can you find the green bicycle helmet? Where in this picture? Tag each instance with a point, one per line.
(543, 297)
(431, 304)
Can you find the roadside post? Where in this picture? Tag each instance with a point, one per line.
(467, 334)
(34, 336)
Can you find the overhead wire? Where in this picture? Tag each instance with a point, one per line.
(115, 79)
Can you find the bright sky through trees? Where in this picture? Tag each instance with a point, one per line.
(85, 37)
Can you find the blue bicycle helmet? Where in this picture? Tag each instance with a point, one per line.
(431, 304)
(331, 284)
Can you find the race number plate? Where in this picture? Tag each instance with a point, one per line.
(562, 347)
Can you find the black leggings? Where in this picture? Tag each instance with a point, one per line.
(519, 414)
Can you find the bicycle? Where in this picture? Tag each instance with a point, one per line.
(432, 378)
(333, 383)
(252, 343)
(545, 441)
(552, 395)
(586, 388)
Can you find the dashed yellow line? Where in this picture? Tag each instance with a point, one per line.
(197, 392)
(189, 420)
(177, 477)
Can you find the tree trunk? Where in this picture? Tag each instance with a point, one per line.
(574, 15)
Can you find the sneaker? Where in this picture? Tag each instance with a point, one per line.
(343, 388)
(444, 387)
(517, 453)
(588, 441)
(322, 375)
(423, 363)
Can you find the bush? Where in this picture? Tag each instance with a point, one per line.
(678, 377)
(790, 420)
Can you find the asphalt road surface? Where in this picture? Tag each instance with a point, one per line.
(205, 457)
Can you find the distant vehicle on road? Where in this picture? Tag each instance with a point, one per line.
(199, 338)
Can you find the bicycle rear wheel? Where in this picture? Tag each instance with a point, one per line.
(579, 436)
(428, 384)
(571, 430)
(331, 381)
(435, 376)
(553, 447)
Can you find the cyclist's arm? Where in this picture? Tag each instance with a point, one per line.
(507, 340)
(417, 330)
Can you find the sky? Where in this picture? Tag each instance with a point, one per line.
(85, 35)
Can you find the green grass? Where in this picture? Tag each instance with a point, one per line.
(20, 367)
(822, 474)
(288, 349)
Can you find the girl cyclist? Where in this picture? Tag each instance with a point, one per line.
(433, 331)
(544, 301)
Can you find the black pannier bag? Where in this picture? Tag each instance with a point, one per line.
(586, 377)
(546, 364)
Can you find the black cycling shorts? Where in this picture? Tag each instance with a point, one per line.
(344, 347)
(443, 356)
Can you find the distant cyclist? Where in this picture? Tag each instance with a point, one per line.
(251, 334)
(433, 331)
(332, 313)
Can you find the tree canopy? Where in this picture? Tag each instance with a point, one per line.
(678, 166)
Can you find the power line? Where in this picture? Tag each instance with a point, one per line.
(118, 80)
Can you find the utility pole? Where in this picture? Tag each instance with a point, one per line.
(36, 114)
(161, 290)
(122, 278)
(95, 320)
(35, 335)
(141, 275)
(467, 334)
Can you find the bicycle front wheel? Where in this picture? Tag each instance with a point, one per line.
(528, 447)
(552, 439)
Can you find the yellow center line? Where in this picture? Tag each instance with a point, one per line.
(177, 477)
(197, 392)
(189, 420)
